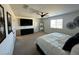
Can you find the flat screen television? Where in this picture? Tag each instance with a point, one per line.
(26, 22)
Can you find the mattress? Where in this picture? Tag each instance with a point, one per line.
(51, 44)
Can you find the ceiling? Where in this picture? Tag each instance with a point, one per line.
(32, 10)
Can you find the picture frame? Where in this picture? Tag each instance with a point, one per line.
(2, 24)
(9, 22)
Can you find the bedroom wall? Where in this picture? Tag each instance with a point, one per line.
(7, 46)
(66, 18)
(36, 22)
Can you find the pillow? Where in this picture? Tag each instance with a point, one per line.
(71, 42)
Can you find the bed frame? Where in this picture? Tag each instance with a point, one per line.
(40, 50)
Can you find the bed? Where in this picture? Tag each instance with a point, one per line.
(51, 44)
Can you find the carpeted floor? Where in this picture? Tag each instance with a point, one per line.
(25, 45)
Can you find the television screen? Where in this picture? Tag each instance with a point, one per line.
(26, 22)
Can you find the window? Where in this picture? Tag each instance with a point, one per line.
(58, 23)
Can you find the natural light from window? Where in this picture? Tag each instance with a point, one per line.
(57, 23)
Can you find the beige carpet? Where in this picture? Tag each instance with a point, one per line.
(25, 45)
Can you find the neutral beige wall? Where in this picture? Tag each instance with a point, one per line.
(66, 18)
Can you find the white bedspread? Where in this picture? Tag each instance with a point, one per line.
(53, 43)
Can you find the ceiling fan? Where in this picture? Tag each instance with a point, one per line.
(42, 14)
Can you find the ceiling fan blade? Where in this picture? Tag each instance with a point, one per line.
(35, 11)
